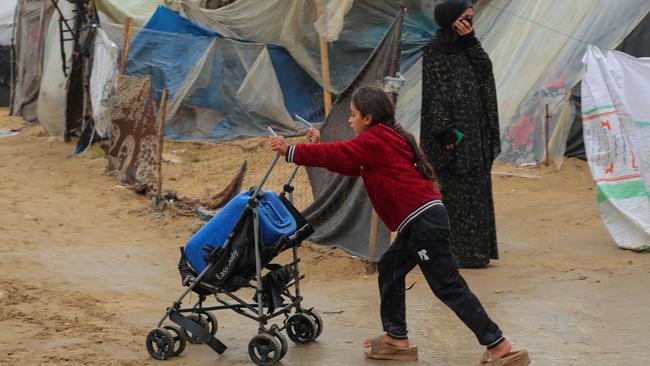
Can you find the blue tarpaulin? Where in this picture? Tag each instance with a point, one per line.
(205, 71)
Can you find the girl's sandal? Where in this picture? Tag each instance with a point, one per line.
(379, 350)
(517, 358)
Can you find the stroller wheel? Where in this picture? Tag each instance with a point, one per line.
(160, 344)
(301, 328)
(317, 319)
(282, 340)
(264, 349)
(206, 320)
(179, 337)
(213, 325)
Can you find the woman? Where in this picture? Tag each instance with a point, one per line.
(460, 130)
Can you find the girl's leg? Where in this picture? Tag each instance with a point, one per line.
(393, 267)
(429, 244)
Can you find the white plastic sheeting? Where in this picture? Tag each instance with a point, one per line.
(102, 81)
(291, 24)
(616, 126)
(255, 91)
(7, 11)
(409, 101)
(330, 23)
(536, 48)
(52, 92)
(139, 11)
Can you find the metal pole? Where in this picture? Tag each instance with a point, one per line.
(187, 291)
(258, 188)
(258, 267)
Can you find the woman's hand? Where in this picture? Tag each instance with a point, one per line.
(278, 144)
(463, 27)
(313, 135)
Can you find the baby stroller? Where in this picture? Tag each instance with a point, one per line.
(229, 253)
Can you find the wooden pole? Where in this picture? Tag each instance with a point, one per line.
(547, 118)
(127, 41)
(161, 131)
(325, 63)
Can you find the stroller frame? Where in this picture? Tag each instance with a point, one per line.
(269, 345)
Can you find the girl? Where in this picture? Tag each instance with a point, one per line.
(399, 182)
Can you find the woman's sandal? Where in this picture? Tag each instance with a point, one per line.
(379, 350)
(517, 358)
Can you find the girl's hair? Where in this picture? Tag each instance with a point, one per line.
(373, 100)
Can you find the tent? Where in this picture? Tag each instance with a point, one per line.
(537, 49)
(536, 53)
(219, 88)
(54, 85)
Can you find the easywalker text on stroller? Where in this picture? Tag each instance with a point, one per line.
(228, 254)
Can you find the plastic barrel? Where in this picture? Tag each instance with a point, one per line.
(275, 222)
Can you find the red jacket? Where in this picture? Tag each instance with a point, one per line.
(385, 162)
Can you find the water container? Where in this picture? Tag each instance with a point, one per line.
(275, 221)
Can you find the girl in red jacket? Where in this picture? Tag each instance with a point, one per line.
(400, 185)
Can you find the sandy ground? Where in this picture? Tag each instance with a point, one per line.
(87, 269)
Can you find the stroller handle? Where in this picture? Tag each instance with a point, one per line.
(258, 188)
(295, 169)
(304, 121)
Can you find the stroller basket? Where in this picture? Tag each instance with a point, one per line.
(233, 265)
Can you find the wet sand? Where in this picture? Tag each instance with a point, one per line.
(87, 269)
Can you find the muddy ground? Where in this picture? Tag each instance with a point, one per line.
(87, 269)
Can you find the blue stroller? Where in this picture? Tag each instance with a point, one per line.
(229, 253)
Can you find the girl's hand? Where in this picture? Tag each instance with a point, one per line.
(313, 135)
(278, 144)
(463, 27)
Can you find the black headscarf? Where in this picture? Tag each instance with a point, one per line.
(445, 14)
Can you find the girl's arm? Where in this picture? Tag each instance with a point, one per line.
(343, 157)
(341, 160)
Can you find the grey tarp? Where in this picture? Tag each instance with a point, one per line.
(341, 210)
(32, 18)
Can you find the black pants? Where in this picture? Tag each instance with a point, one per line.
(425, 242)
